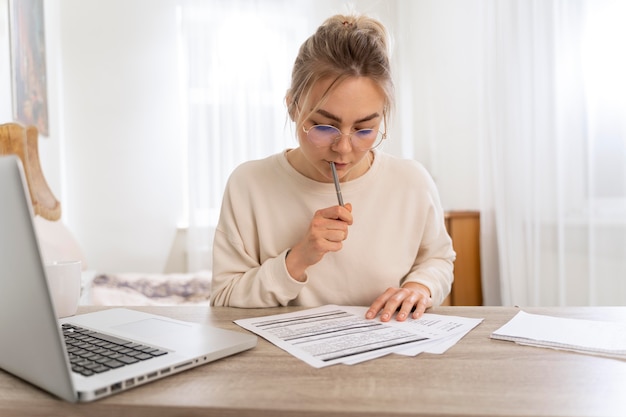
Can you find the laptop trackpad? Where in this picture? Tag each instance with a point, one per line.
(153, 329)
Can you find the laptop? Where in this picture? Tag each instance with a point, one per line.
(106, 352)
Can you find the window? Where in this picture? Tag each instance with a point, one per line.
(235, 60)
(604, 66)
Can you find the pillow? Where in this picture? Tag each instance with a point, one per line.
(151, 289)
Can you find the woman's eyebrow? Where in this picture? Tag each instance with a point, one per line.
(338, 119)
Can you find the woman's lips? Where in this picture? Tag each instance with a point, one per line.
(339, 165)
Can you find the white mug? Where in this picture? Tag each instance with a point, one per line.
(64, 282)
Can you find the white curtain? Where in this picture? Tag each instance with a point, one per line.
(552, 117)
(236, 61)
(554, 152)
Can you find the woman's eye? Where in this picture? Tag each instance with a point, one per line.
(364, 133)
(325, 128)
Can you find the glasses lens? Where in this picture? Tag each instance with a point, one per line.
(365, 139)
(323, 135)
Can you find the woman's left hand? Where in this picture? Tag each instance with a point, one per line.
(411, 295)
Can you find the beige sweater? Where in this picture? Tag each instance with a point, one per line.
(398, 235)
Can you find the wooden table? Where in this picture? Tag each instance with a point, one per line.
(477, 377)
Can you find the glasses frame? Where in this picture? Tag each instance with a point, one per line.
(383, 136)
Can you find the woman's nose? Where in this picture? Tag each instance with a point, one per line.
(343, 143)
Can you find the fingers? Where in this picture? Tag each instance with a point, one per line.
(343, 213)
(328, 229)
(332, 223)
(400, 300)
(422, 305)
(377, 305)
(326, 233)
(383, 305)
(408, 304)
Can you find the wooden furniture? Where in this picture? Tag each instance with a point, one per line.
(464, 229)
(23, 142)
(476, 377)
(56, 241)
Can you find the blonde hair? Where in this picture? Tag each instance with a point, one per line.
(343, 46)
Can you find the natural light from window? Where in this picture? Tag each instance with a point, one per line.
(604, 63)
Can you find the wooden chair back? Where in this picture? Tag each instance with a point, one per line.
(23, 141)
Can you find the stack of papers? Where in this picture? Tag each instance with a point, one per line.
(332, 334)
(585, 336)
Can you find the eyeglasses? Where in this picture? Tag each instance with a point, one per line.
(326, 135)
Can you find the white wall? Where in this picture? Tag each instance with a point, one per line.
(5, 64)
(121, 123)
(115, 156)
(439, 78)
(50, 146)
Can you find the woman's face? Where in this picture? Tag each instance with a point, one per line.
(356, 103)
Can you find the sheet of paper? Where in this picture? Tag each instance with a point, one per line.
(440, 346)
(445, 332)
(332, 334)
(587, 336)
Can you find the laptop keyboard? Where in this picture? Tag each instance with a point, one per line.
(92, 353)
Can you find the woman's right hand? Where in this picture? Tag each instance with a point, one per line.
(327, 231)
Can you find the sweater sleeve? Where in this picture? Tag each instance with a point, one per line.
(240, 281)
(240, 277)
(434, 263)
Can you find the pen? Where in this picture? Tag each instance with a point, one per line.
(336, 180)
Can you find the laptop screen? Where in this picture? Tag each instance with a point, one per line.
(31, 346)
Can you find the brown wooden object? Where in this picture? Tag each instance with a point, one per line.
(464, 229)
(23, 141)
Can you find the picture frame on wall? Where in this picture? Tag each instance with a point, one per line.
(28, 64)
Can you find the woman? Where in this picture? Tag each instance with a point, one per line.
(282, 239)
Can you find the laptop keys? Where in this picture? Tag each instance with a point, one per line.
(92, 353)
